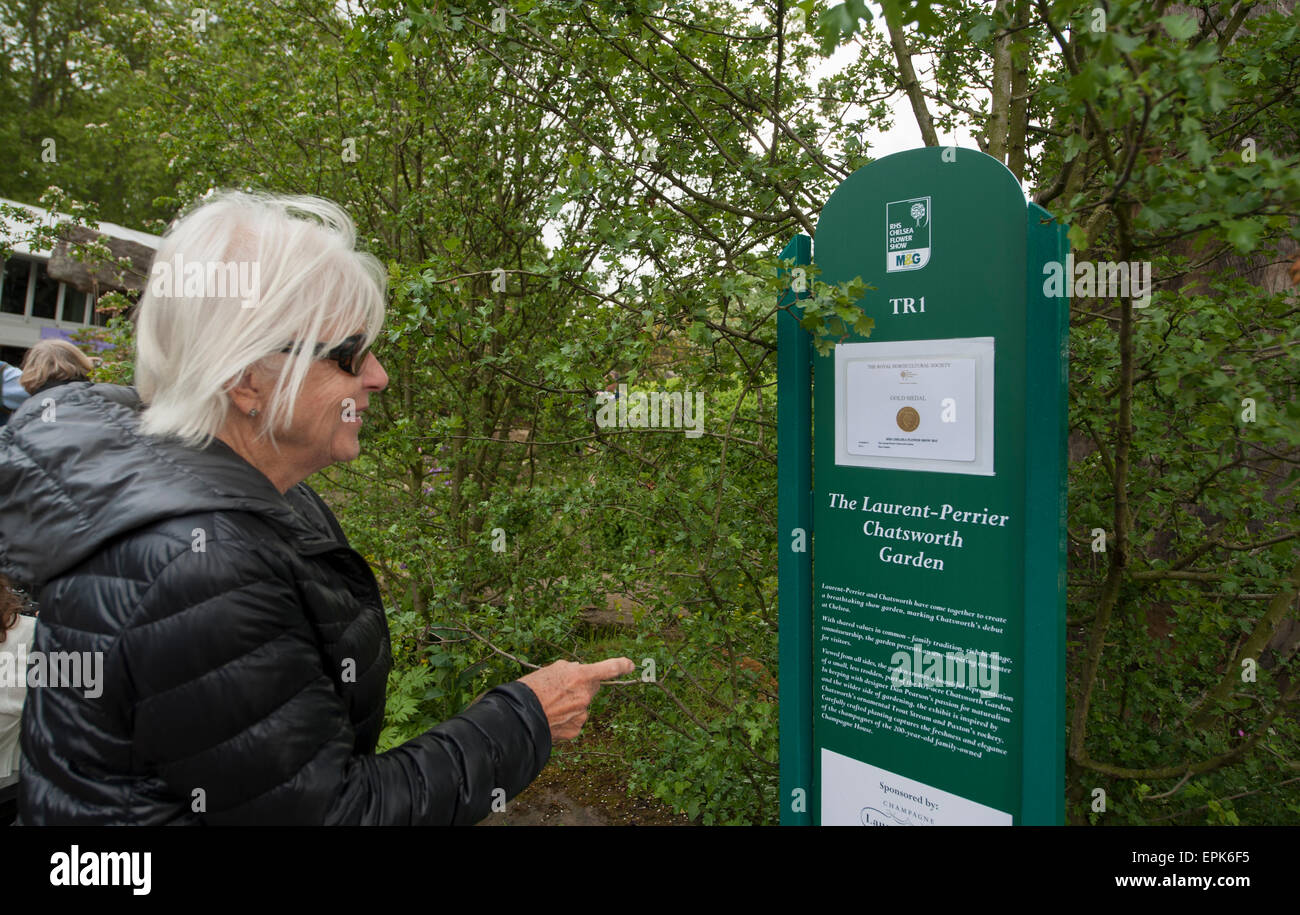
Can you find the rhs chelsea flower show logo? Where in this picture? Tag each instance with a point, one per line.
(907, 234)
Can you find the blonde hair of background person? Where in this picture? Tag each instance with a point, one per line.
(52, 362)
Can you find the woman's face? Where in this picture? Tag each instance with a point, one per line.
(327, 418)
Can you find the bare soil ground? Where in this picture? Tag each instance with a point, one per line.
(585, 784)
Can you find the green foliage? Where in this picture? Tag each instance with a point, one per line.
(113, 344)
(68, 124)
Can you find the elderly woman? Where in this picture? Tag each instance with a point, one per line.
(244, 646)
(51, 363)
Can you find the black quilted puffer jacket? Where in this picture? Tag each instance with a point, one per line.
(245, 647)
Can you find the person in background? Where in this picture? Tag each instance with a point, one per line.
(13, 395)
(16, 632)
(51, 363)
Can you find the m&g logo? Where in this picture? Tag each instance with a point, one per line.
(914, 259)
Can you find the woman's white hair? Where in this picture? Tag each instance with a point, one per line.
(235, 280)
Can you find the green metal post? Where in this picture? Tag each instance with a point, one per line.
(794, 566)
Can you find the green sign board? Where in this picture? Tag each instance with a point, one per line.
(922, 567)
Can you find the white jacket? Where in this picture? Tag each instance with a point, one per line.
(13, 690)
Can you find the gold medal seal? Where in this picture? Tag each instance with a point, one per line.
(908, 419)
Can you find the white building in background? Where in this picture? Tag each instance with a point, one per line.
(35, 305)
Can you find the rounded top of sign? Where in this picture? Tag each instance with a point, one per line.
(939, 222)
(932, 162)
(917, 204)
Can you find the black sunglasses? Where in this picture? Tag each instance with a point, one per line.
(350, 354)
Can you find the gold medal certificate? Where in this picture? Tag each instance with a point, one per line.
(919, 408)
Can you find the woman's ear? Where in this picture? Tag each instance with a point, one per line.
(248, 391)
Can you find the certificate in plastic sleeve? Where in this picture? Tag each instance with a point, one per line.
(921, 408)
(916, 405)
